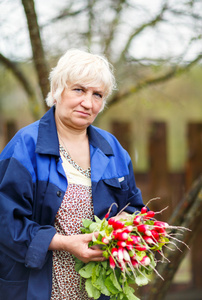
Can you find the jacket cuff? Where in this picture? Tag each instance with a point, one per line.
(37, 253)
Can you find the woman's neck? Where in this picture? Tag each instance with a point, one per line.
(72, 136)
(69, 133)
(76, 144)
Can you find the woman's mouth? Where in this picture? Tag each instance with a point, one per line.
(83, 113)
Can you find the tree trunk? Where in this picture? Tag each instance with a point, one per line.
(188, 214)
(37, 47)
(193, 171)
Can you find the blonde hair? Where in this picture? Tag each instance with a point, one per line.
(80, 67)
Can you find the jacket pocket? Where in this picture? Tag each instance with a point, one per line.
(118, 190)
(10, 290)
(119, 183)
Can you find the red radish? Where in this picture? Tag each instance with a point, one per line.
(134, 263)
(120, 254)
(126, 256)
(142, 228)
(107, 216)
(150, 214)
(155, 234)
(148, 240)
(129, 245)
(122, 236)
(145, 261)
(117, 224)
(144, 210)
(140, 247)
(121, 244)
(161, 224)
(160, 230)
(112, 262)
(137, 220)
(135, 239)
(105, 240)
(115, 232)
(148, 232)
(114, 252)
(111, 221)
(128, 229)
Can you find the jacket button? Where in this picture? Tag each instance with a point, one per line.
(59, 193)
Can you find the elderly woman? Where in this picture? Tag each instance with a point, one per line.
(55, 172)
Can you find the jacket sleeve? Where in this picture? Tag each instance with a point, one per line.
(21, 238)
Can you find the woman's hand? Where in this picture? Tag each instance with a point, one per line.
(77, 245)
(124, 215)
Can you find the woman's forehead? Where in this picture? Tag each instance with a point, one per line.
(89, 85)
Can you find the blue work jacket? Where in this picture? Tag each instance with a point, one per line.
(32, 186)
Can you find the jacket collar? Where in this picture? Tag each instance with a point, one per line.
(98, 141)
(48, 143)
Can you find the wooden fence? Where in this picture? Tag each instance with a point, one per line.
(158, 181)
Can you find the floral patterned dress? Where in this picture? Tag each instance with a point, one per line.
(77, 204)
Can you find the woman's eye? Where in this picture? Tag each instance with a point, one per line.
(78, 90)
(98, 95)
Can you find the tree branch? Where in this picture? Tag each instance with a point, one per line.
(91, 4)
(32, 98)
(66, 13)
(176, 70)
(186, 14)
(137, 31)
(113, 27)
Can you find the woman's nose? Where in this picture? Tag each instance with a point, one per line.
(87, 100)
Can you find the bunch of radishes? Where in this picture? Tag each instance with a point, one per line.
(130, 244)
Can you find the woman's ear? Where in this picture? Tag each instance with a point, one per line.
(53, 96)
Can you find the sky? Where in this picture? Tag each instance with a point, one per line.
(165, 40)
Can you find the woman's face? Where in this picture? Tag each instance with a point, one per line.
(79, 106)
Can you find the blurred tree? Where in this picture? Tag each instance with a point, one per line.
(165, 36)
(26, 84)
(188, 215)
(37, 46)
